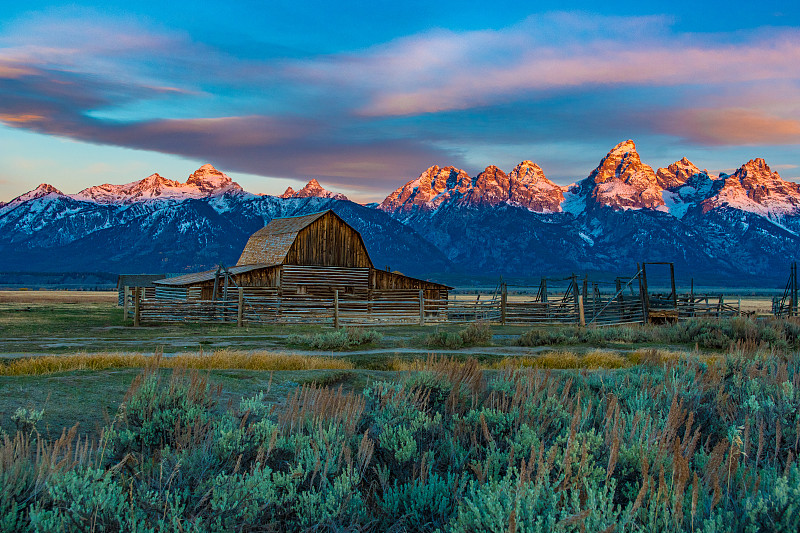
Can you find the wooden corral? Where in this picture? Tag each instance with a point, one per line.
(788, 305)
(135, 280)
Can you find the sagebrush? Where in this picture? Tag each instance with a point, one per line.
(677, 445)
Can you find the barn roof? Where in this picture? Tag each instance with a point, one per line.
(208, 275)
(138, 280)
(271, 243)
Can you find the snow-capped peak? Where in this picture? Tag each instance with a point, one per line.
(622, 181)
(204, 182)
(623, 148)
(312, 190)
(211, 181)
(677, 174)
(525, 186)
(755, 188)
(43, 190)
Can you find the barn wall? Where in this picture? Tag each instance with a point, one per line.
(263, 277)
(328, 241)
(383, 280)
(352, 283)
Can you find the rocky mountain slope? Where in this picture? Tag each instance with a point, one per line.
(148, 226)
(312, 190)
(205, 182)
(738, 228)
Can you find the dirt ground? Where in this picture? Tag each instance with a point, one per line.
(59, 297)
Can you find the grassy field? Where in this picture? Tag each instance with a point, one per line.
(457, 428)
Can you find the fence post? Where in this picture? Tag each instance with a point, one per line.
(126, 295)
(719, 307)
(421, 307)
(137, 310)
(503, 302)
(240, 309)
(739, 306)
(336, 308)
(581, 316)
(643, 293)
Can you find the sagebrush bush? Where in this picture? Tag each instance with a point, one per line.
(338, 339)
(476, 333)
(682, 445)
(719, 334)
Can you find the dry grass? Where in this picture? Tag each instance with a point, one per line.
(559, 359)
(59, 297)
(218, 360)
(568, 360)
(658, 356)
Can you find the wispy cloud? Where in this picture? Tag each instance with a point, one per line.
(377, 115)
(738, 127)
(444, 70)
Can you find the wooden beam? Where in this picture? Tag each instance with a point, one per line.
(581, 316)
(421, 307)
(642, 292)
(336, 308)
(126, 295)
(503, 303)
(795, 291)
(674, 290)
(137, 311)
(240, 309)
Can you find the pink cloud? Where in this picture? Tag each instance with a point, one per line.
(444, 70)
(731, 127)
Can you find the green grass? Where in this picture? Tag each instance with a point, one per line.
(674, 444)
(89, 397)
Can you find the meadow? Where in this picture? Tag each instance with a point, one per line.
(687, 427)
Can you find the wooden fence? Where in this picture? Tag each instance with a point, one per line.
(405, 306)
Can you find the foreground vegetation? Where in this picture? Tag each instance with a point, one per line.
(672, 444)
(715, 334)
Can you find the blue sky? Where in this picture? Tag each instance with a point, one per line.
(364, 96)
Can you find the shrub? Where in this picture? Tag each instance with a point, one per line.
(339, 339)
(476, 333)
(682, 445)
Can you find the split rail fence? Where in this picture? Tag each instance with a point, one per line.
(398, 307)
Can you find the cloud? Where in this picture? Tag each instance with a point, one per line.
(444, 70)
(735, 127)
(58, 103)
(376, 116)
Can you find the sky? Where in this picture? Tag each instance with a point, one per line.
(364, 96)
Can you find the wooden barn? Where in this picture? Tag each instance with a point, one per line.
(305, 256)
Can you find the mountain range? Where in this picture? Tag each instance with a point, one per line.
(740, 228)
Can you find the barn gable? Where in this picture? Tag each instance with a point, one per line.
(318, 239)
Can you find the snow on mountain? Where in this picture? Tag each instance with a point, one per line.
(312, 190)
(432, 188)
(42, 191)
(677, 174)
(622, 181)
(756, 189)
(526, 186)
(531, 189)
(204, 182)
(518, 223)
